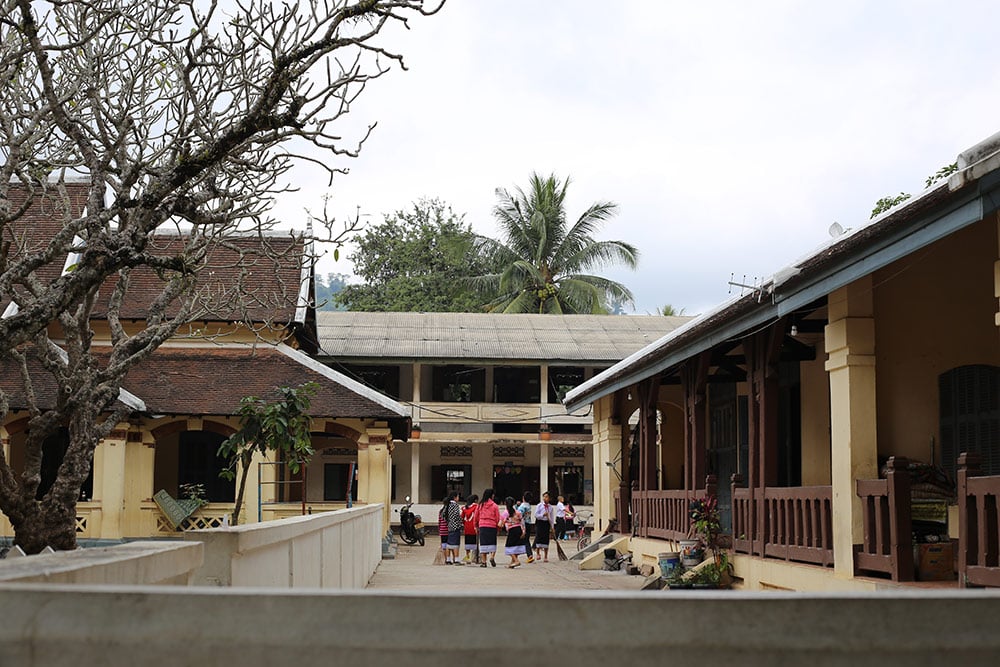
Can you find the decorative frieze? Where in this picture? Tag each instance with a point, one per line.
(507, 452)
(456, 451)
(568, 452)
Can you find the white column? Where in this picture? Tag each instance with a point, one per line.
(415, 414)
(543, 469)
(544, 380)
(415, 471)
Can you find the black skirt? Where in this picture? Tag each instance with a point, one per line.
(542, 529)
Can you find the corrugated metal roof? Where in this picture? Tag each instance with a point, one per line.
(489, 336)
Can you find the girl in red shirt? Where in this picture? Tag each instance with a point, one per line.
(487, 520)
(469, 526)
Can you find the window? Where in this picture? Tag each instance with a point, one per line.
(969, 399)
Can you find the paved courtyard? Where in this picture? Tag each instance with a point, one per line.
(413, 569)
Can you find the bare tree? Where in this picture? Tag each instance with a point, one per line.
(184, 113)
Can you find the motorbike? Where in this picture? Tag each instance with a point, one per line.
(411, 526)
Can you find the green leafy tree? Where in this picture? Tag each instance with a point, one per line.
(670, 311)
(540, 262)
(327, 288)
(279, 426)
(416, 260)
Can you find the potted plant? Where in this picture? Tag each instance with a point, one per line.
(544, 432)
(415, 432)
(705, 533)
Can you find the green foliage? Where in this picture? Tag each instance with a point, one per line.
(327, 288)
(280, 426)
(195, 492)
(415, 261)
(943, 172)
(885, 203)
(540, 263)
(670, 311)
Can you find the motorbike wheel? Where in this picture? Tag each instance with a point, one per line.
(420, 537)
(409, 540)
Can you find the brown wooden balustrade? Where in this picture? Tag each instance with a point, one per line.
(744, 517)
(666, 514)
(793, 523)
(979, 525)
(888, 531)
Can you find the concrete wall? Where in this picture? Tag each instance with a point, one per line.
(338, 549)
(135, 563)
(57, 626)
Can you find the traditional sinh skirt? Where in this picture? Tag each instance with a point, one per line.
(487, 540)
(455, 539)
(515, 542)
(470, 542)
(542, 534)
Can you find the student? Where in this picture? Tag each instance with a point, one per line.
(560, 518)
(443, 529)
(487, 520)
(514, 522)
(569, 527)
(525, 509)
(455, 526)
(545, 519)
(469, 527)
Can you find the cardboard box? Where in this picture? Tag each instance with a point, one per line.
(935, 562)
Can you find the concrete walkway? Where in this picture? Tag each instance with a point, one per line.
(413, 569)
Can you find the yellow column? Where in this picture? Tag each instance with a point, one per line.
(140, 457)
(375, 469)
(850, 344)
(109, 482)
(607, 438)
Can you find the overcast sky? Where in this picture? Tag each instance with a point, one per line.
(731, 134)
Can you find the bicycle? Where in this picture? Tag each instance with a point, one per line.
(581, 532)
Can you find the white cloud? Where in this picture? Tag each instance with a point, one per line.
(731, 134)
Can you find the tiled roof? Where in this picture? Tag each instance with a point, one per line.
(245, 279)
(249, 278)
(40, 223)
(489, 336)
(211, 380)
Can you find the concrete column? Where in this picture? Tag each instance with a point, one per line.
(850, 344)
(109, 487)
(415, 414)
(543, 469)
(543, 378)
(488, 389)
(415, 471)
(140, 458)
(607, 442)
(375, 469)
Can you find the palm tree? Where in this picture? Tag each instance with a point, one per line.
(540, 264)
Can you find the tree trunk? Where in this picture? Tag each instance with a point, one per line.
(239, 491)
(43, 524)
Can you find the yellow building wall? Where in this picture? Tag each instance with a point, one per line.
(815, 403)
(934, 311)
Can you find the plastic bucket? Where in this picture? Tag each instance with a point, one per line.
(670, 561)
(691, 553)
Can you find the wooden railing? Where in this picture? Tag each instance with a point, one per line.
(979, 525)
(793, 523)
(798, 524)
(744, 517)
(888, 541)
(666, 514)
(662, 514)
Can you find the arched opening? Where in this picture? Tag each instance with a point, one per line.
(191, 457)
(53, 450)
